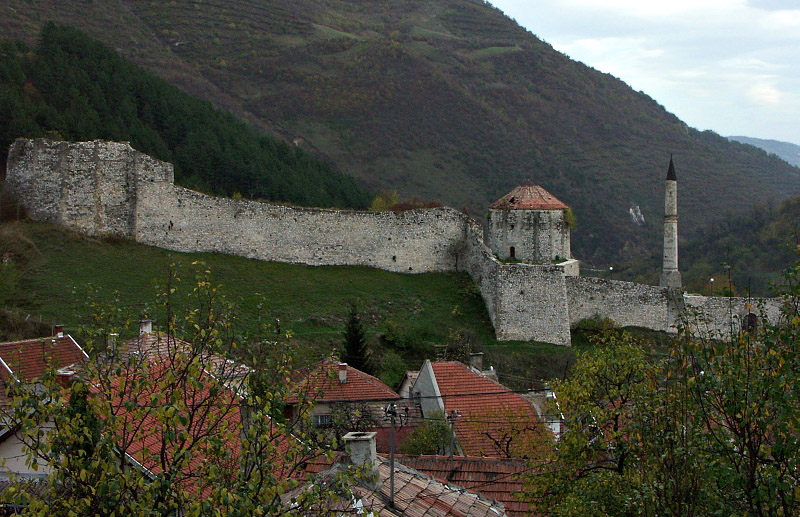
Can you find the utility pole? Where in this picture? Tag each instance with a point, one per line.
(452, 419)
(391, 412)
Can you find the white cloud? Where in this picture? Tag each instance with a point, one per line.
(728, 65)
(764, 92)
(655, 8)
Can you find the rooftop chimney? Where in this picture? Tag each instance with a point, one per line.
(476, 361)
(361, 448)
(59, 331)
(145, 327)
(112, 341)
(64, 376)
(343, 373)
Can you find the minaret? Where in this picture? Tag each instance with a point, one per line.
(670, 276)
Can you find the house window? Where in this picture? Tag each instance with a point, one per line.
(322, 420)
(512, 252)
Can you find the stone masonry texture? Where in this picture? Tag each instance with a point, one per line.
(108, 188)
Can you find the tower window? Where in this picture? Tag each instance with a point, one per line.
(750, 323)
(512, 252)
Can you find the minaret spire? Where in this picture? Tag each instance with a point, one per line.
(671, 171)
(670, 276)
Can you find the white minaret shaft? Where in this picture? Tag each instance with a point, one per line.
(670, 276)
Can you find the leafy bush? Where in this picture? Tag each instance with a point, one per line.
(431, 437)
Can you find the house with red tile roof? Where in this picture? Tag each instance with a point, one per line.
(408, 492)
(164, 345)
(490, 420)
(352, 400)
(156, 372)
(26, 361)
(211, 412)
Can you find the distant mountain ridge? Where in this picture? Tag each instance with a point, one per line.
(446, 99)
(785, 150)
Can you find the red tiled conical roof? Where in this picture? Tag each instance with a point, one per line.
(529, 197)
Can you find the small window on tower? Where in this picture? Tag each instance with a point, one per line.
(512, 252)
(750, 323)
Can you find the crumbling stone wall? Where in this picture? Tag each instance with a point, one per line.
(416, 241)
(626, 303)
(532, 304)
(714, 317)
(102, 188)
(90, 187)
(109, 188)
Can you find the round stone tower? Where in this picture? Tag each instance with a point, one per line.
(670, 276)
(529, 224)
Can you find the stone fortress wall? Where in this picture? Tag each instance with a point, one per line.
(101, 188)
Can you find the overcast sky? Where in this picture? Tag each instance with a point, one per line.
(732, 66)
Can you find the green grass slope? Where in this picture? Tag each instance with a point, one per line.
(62, 277)
(445, 99)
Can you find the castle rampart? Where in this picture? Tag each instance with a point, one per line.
(100, 188)
(626, 303)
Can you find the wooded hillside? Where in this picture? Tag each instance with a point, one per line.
(75, 88)
(446, 99)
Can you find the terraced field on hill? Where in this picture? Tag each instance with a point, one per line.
(444, 99)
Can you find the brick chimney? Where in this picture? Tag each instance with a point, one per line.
(342, 373)
(476, 361)
(145, 327)
(58, 331)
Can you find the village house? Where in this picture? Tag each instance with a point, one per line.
(490, 420)
(408, 492)
(346, 399)
(497, 479)
(26, 361)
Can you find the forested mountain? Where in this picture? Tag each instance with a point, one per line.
(785, 150)
(745, 253)
(446, 99)
(76, 88)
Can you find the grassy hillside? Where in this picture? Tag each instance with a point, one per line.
(76, 88)
(61, 277)
(443, 99)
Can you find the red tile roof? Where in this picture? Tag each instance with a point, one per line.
(28, 359)
(418, 495)
(415, 494)
(321, 382)
(164, 345)
(495, 479)
(492, 420)
(529, 197)
(141, 432)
